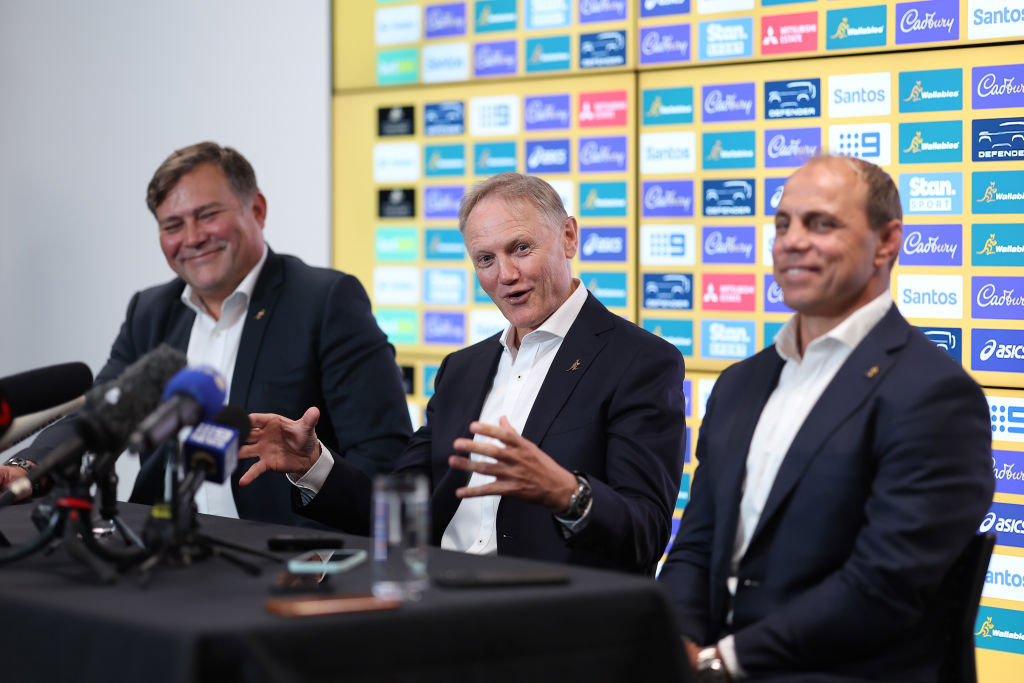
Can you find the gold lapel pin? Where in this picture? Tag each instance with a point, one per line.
(259, 315)
(872, 371)
(574, 366)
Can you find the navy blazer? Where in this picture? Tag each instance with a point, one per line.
(309, 339)
(883, 486)
(611, 407)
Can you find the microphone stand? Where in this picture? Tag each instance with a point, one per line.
(105, 476)
(172, 531)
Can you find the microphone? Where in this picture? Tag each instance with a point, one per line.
(25, 426)
(192, 395)
(41, 389)
(108, 415)
(211, 449)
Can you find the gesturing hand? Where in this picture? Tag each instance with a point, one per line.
(282, 445)
(522, 471)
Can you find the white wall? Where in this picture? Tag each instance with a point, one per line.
(93, 96)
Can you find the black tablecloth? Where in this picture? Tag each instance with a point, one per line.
(207, 622)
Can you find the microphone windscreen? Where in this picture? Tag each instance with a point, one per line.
(42, 389)
(235, 417)
(203, 384)
(113, 410)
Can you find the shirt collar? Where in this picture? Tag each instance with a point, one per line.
(558, 323)
(850, 332)
(244, 289)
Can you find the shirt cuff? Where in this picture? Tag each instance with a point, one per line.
(727, 648)
(571, 527)
(313, 480)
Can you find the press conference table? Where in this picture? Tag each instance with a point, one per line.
(207, 622)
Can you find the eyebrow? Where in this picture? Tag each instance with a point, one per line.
(195, 212)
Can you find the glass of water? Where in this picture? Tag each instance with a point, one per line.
(401, 522)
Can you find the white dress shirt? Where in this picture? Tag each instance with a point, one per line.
(802, 382)
(516, 385)
(215, 343)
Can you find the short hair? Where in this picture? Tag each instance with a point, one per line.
(882, 200)
(515, 188)
(236, 169)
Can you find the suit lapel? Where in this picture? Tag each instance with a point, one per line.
(759, 386)
(179, 331)
(574, 358)
(261, 308)
(861, 374)
(465, 406)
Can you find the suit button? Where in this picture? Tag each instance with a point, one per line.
(751, 583)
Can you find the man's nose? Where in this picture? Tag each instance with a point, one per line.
(507, 270)
(794, 237)
(195, 234)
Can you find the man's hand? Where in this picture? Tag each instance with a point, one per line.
(522, 471)
(692, 650)
(9, 473)
(282, 445)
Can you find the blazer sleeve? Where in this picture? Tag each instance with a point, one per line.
(631, 514)
(361, 382)
(933, 482)
(687, 570)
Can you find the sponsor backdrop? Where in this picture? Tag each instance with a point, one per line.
(440, 41)
(669, 127)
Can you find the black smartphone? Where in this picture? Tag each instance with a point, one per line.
(286, 542)
(486, 578)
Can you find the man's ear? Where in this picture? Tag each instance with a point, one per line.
(571, 236)
(259, 208)
(890, 239)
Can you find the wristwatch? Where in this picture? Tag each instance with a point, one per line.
(579, 503)
(26, 465)
(710, 666)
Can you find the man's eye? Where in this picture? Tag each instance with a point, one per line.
(520, 248)
(207, 215)
(174, 227)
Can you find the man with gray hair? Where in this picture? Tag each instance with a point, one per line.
(561, 438)
(841, 471)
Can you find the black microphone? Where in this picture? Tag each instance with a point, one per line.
(192, 395)
(108, 416)
(212, 447)
(39, 390)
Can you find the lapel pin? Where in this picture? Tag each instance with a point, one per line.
(574, 366)
(259, 315)
(872, 371)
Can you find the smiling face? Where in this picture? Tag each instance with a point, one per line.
(210, 237)
(521, 261)
(829, 261)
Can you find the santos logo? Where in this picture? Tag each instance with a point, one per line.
(446, 62)
(930, 296)
(994, 19)
(860, 95)
(1005, 578)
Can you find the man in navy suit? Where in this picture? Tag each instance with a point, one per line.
(289, 339)
(561, 439)
(841, 471)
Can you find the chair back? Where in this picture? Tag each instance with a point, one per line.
(963, 586)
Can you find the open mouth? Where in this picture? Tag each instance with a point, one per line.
(517, 297)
